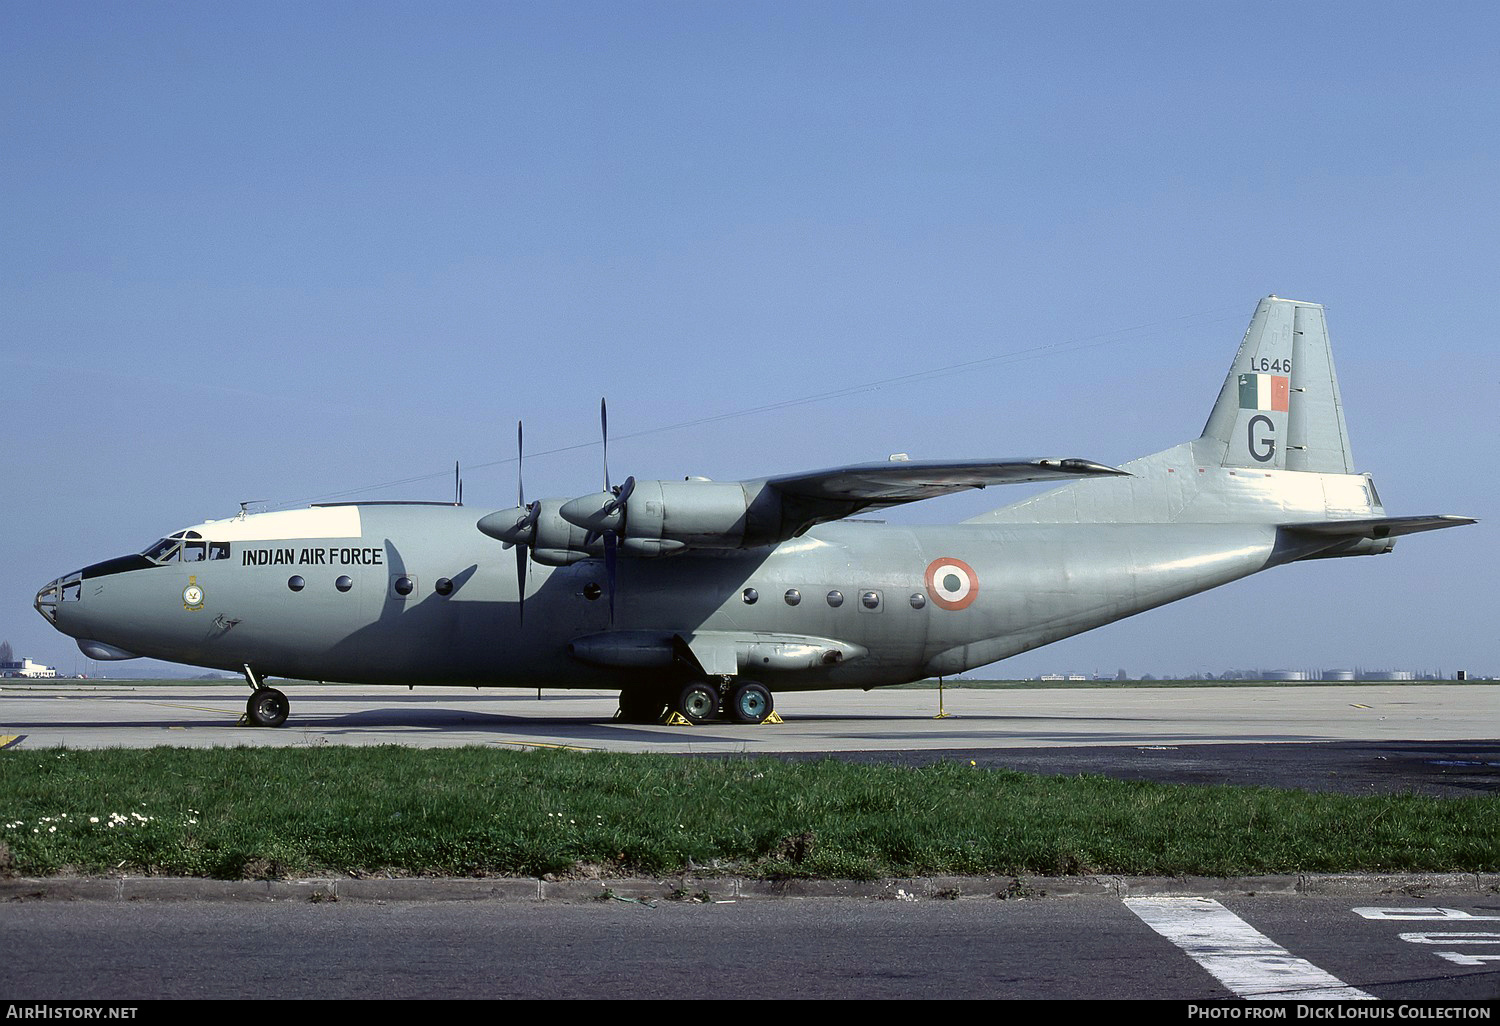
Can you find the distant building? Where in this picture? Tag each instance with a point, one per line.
(26, 668)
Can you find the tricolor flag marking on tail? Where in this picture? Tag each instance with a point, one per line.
(1264, 392)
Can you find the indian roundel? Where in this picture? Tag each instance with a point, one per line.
(952, 583)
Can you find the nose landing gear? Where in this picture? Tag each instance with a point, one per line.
(267, 707)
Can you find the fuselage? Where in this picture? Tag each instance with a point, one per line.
(414, 593)
(702, 597)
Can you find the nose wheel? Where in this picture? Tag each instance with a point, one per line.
(267, 708)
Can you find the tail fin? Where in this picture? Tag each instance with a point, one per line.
(1279, 408)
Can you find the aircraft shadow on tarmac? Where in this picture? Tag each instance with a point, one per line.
(1464, 768)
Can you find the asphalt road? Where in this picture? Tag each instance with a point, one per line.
(1264, 948)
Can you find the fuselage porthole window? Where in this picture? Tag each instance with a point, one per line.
(835, 599)
(296, 583)
(344, 583)
(443, 586)
(792, 596)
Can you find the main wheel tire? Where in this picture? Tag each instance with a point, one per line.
(642, 705)
(751, 703)
(698, 702)
(267, 708)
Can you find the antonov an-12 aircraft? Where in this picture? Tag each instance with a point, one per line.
(702, 598)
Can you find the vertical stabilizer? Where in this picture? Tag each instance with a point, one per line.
(1279, 408)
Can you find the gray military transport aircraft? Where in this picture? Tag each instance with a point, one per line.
(701, 598)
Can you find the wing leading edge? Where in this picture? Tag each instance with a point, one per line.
(880, 485)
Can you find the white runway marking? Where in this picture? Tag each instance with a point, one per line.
(1246, 961)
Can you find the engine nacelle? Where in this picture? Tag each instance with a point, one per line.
(654, 518)
(701, 514)
(557, 542)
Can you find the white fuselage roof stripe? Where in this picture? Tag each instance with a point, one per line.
(317, 522)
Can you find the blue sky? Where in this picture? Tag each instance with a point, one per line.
(305, 250)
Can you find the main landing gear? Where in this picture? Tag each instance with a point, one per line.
(267, 707)
(699, 701)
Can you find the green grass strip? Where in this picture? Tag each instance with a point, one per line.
(254, 813)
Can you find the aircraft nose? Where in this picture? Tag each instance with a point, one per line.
(50, 598)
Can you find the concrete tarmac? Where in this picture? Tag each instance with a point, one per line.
(1429, 738)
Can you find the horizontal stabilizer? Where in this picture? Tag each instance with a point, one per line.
(1379, 527)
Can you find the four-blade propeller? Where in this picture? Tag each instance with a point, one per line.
(601, 516)
(525, 528)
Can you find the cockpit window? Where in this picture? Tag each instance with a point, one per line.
(184, 547)
(164, 551)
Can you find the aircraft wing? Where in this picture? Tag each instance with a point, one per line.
(878, 485)
(823, 495)
(656, 518)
